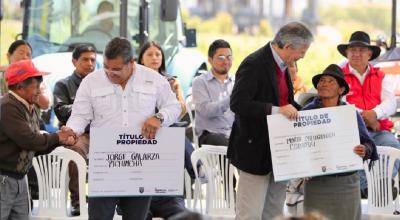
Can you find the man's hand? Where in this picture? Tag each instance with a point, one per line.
(371, 120)
(150, 127)
(359, 150)
(67, 136)
(289, 111)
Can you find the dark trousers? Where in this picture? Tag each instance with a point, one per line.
(165, 207)
(188, 153)
(133, 208)
(213, 139)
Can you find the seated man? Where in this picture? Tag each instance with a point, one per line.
(370, 91)
(211, 96)
(84, 60)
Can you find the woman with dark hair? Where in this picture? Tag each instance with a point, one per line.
(330, 195)
(151, 55)
(22, 50)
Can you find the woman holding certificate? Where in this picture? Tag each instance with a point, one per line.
(337, 196)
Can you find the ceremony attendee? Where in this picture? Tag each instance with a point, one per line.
(22, 50)
(337, 196)
(151, 55)
(263, 87)
(20, 137)
(84, 60)
(211, 94)
(123, 94)
(371, 92)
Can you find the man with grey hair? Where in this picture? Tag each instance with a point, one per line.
(263, 87)
(123, 94)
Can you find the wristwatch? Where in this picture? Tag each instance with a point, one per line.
(160, 117)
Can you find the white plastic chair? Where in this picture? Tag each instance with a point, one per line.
(189, 201)
(220, 201)
(52, 174)
(379, 178)
(190, 108)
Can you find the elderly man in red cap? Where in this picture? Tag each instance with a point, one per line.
(371, 92)
(20, 137)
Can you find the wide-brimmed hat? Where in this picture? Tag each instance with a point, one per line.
(336, 72)
(361, 39)
(20, 71)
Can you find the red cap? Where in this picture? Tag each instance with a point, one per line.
(20, 71)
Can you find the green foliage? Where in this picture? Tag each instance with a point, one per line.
(357, 17)
(222, 23)
(9, 30)
(265, 28)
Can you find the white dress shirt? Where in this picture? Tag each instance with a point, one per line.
(388, 104)
(104, 104)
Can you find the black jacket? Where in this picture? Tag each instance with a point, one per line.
(64, 96)
(253, 95)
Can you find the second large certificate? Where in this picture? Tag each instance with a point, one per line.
(319, 142)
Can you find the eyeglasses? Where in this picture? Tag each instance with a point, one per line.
(114, 72)
(223, 58)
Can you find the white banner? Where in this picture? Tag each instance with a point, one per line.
(319, 142)
(123, 163)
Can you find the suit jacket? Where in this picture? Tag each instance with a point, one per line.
(253, 95)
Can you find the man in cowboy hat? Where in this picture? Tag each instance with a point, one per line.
(370, 91)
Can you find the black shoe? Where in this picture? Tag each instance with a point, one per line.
(364, 193)
(75, 211)
(394, 190)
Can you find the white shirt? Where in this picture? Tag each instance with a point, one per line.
(388, 104)
(104, 104)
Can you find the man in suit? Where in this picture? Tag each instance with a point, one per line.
(263, 87)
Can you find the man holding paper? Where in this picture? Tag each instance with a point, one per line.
(123, 94)
(263, 87)
(331, 194)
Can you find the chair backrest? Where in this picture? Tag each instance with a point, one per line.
(219, 173)
(52, 174)
(190, 109)
(380, 198)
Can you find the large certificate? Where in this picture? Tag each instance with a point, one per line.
(319, 142)
(124, 163)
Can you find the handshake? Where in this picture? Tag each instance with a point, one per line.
(67, 136)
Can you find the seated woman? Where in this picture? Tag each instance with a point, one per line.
(337, 196)
(151, 55)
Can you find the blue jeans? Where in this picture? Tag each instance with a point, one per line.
(188, 153)
(382, 138)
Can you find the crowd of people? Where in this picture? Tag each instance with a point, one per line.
(231, 110)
